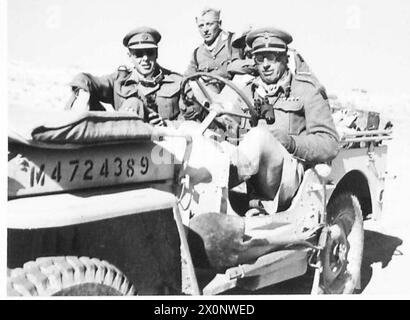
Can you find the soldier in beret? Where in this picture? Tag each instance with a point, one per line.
(298, 128)
(146, 89)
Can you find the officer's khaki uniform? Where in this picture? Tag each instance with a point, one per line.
(213, 59)
(302, 110)
(122, 88)
(303, 122)
(126, 90)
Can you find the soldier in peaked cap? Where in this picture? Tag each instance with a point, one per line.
(142, 38)
(268, 39)
(245, 64)
(146, 88)
(299, 129)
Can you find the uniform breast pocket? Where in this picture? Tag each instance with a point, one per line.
(168, 107)
(290, 116)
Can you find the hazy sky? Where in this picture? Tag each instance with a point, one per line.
(348, 44)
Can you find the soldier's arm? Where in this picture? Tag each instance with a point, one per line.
(224, 70)
(320, 143)
(192, 66)
(100, 88)
(241, 66)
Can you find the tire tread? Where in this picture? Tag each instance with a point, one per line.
(46, 276)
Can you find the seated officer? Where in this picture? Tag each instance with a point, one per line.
(245, 64)
(296, 129)
(216, 52)
(147, 89)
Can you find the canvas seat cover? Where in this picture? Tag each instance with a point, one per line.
(68, 129)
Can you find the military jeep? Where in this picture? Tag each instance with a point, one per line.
(101, 203)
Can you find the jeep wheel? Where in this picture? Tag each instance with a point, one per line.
(67, 276)
(342, 256)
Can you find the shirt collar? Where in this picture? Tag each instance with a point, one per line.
(152, 82)
(214, 44)
(270, 90)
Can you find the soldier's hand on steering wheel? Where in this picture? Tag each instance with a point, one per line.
(155, 119)
(207, 98)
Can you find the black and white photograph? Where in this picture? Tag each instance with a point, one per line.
(206, 149)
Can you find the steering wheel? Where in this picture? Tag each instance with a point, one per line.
(207, 105)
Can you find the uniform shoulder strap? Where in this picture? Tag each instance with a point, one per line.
(196, 57)
(123, 71)
(311, 78)
(229, 47)
(229, 43)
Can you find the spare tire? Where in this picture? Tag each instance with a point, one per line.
(343, 253)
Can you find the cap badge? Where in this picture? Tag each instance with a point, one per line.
(145, 36)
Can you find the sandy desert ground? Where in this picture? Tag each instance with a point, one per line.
(387, 242)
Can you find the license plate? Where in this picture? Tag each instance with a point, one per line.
(35, 170)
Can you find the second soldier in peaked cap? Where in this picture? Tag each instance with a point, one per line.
(265, 40)
(268, 39)
(299, 127)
